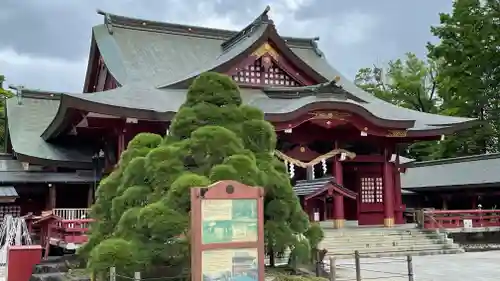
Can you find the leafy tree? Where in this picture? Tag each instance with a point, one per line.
(144, 204)
(4, 94)
(409, 83)
(469, 77)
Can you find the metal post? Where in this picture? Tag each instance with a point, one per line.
(137, 276)
(318, 270)
(333, 269)
(358, 265)
(409, 261)
(112, 273)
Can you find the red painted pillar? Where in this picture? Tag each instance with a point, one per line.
(121, 142)
(338, 211)
(306, 209)
(388, 191)
(338, 200)
(399, 208)
(399, 199)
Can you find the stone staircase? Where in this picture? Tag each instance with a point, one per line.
(386, 242)
(57, 269)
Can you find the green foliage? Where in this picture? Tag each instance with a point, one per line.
(212, 137)
(120, 253)
(315, 235)
(158, 222)
(469, 76)
(178, 196)
(409, 83)
(4, 94)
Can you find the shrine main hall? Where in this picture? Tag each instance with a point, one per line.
(340, 144)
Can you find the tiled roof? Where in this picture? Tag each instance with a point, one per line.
(26, 123)
(470, 171)
(8, 191)
(306, 187)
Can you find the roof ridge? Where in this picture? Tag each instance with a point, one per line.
(322, 89)
(39, 94)
(454, 160)
(111, 20)
(263, 18)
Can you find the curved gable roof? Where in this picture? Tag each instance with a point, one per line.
(163, 54)
(143, 54)
(27, 121)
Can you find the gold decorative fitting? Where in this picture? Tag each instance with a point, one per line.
(330, 115)
(337, 78)
(397, 133)
(302, 149)
(265, 48)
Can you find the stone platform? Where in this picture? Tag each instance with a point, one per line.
(377, 241)
(469, 266)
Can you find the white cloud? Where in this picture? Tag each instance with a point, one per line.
(42, 73)
(354, 28)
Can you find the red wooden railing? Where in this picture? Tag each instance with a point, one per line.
(71, 231)
(436, 219)
(66, 228)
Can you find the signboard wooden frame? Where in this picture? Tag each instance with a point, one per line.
(224, 190)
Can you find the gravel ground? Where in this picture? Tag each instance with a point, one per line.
(479, 266)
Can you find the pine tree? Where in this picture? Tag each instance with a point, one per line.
(142, 207)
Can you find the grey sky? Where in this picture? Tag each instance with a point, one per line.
(45, 44)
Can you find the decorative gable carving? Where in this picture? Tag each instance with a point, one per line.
(266, 67)
(264, 72)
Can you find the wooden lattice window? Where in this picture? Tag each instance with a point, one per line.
(272, 74)
(13, 210)
(372, 190)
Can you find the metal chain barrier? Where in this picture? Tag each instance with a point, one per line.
(360, 270)
(137, 276)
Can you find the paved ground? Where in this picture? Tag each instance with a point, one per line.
(483, 266)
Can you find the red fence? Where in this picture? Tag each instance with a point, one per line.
(71, 231)
(461, 219)
(54, 230)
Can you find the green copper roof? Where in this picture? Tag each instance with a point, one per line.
(470, 171)
(154, 54)
(158, 102)
(149, 58)
(26, 123)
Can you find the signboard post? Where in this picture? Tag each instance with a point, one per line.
(227, 232)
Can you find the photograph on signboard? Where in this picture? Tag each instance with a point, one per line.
(229, 220)
(230, 265)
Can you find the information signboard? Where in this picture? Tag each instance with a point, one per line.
(227, 232)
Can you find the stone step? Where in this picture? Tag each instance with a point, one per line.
(50, 268)
(399, 253)
(377, 244)
(379, 241)
(334, 233)
(48, 277)
(355, 239)
(343, 251)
